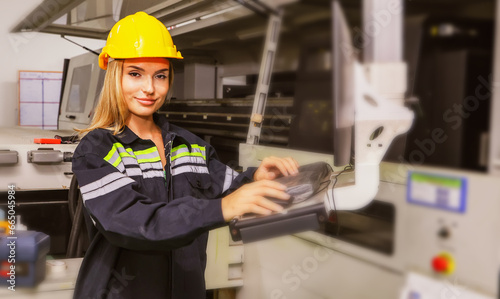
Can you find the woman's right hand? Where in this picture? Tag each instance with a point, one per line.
(251, 198)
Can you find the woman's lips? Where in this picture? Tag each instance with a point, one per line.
(146, 101)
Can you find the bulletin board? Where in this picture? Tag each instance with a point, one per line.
(39, 94)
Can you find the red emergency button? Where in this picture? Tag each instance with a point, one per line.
(443, 263)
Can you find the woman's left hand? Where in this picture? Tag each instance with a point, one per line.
(272, 167)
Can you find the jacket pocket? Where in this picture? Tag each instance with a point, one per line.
(198, 185)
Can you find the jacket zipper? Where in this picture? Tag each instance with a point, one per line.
(169, 186)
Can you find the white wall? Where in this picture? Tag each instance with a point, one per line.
(28, 51)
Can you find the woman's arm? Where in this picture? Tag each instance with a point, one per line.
(131, 220)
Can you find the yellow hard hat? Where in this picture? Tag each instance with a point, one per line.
(138, 35)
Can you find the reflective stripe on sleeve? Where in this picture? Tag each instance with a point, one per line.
(105, 185)
(229, 177)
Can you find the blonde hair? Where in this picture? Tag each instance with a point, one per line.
(112, 111)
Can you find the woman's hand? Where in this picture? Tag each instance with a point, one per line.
(272, 167)
(250, 198)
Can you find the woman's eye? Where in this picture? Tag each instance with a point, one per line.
(161, 76)
(134, 74)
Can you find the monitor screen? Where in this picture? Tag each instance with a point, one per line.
(79, 88)
(83, 84)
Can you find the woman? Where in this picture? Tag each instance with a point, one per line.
(152, 189)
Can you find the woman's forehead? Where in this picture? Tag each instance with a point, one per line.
(149, 62)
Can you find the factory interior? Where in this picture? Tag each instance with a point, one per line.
(395, 98)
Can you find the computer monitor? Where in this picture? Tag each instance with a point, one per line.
(82, 87)
(323, 106)
(343, 87)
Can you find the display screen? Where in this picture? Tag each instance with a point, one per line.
(80, 83)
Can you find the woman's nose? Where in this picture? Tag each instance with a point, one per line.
(147, 85)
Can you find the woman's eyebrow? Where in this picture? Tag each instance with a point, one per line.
(135, 67)
(141, 69)
(161, 71)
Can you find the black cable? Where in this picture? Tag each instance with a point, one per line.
(348, 167)
(91, 51)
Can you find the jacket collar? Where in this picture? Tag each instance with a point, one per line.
(127, 136)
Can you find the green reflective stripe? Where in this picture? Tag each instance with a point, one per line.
(149, 160)
(146, 151)
(130, 151)
(110, 154)
(178, 147)
(117, 152)
(193, 154)
(147, 155)
(197, 151)
(117, 162)
(125, 154)
(185, 146)
(113, 157)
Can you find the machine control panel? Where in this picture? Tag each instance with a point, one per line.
(437, 191)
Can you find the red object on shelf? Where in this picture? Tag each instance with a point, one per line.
(47, 140)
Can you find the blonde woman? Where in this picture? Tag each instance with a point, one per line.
(152, 189)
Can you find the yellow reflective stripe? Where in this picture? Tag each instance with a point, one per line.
(130, 151)
(149, 160)
(148, 155)
(198, 146)
(146, 151)
(125, 154)
(194, 154)
(121, 151)
(178, 147)
(117, 162)
(200, 153)
(111, 154)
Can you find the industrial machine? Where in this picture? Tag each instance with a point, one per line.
(41, 174)
(429, 233)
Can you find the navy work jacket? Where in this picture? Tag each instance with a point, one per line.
(152, 221)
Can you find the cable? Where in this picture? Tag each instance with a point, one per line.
(91, 51)
(348, 167)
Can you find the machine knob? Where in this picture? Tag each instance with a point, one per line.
(444, 233)
(443, 263)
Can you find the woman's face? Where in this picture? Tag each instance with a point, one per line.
(145, 84)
